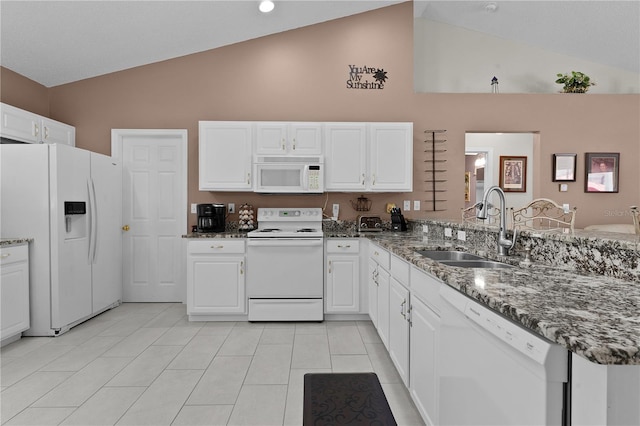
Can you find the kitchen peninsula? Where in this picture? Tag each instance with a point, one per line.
(581, 292)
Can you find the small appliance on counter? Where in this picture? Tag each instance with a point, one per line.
(397, 220)
(369, 224)
(211, 218)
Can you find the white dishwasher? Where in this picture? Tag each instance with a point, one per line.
(494, 372)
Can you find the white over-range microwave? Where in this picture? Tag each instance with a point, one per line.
(288, 175)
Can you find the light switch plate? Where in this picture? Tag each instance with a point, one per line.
(447, 232)
(425, 229)
(194, 208)
(565, 207)
(462, 235)
(416, 205)
(407, 205)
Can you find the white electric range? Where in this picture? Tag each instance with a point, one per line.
(285, 265)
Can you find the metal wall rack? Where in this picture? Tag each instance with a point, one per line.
(435, 167)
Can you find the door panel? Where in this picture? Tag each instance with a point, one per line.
(154, 208)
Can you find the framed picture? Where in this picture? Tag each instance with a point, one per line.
(601, 171)
(564, 167)
(513, 174)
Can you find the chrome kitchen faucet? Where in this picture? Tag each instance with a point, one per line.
(504, 244)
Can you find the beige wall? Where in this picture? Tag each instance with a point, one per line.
(23, 93)
(301, 75)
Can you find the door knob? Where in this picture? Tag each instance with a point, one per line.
(125, 228)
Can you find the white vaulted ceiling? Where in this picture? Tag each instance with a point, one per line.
(56, 42)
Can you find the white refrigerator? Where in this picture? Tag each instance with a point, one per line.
(69, 201)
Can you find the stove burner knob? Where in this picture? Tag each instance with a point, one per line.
(377, 225)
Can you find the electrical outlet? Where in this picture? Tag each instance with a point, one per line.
(566, 208)
(462, 235)
(416, 205)
(231, 208)
(425, 229)
(407, 205)
(194, 208)
(447, 232)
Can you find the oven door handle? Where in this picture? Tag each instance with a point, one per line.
(284, 242)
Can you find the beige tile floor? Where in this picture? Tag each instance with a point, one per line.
(146, 364)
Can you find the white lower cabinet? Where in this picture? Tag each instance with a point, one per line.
(342, 277)
(425, 337)
(399, 328)
(14, 295)
(372, 292)
(379, 279)
(384, 280)
(215, 277)
(423, 359)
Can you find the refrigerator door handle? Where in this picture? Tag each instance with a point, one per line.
(93, 235)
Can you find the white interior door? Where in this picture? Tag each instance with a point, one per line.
(154, 200)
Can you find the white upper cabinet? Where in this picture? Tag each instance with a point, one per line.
(370, 157)
(225, 150)
(25, 126)
(55, 132)
(345, 156)
(391, 156)
(288, 138)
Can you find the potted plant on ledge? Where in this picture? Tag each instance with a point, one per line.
(576, 82)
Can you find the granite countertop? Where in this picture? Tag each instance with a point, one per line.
(593, 316)
(7, 242)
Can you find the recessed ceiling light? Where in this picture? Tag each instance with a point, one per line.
(266, 6)
(491, 7)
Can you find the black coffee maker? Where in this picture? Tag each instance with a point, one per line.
(211, 217)
(397, 220)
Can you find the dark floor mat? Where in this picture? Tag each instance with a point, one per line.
(345, 399)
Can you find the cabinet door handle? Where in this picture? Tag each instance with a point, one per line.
(329, 266)
(36, 130)
(294, 144)
(404, 302)
(408, 317)
(374, 179)
(248, 178)
(241, 267)
(363, 178)
(283, 144)
(4, 256)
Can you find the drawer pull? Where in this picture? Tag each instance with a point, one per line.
(347, 246)
(4, 256)
(217, 247)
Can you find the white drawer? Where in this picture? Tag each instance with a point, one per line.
(343, 246)
(380, 255)
(400, 270)
(216, 246)
(14, 254)
(426, 288)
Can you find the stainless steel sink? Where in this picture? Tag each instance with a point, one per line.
(461, 259)
(441, 255)
(490, 264)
